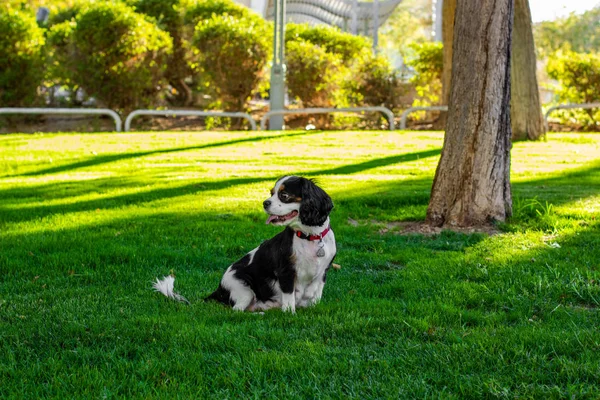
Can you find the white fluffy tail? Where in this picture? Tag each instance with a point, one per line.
(166, 287)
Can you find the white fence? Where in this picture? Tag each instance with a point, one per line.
(404, 115)
(67, 111)
(566, 107)
(388, 114)
(135, 113)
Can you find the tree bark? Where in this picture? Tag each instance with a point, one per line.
(526, 112)
(472, 181)
(448, 10)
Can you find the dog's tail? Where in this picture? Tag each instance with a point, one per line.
(166, 287)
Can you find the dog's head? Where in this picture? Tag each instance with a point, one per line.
(297, 201)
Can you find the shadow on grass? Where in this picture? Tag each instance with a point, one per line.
(28, 213)
(557, 189)
(390, 195)
(105, 159)
(579, 182)
(15, 214)
(379, 162)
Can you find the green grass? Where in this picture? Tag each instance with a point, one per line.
(88, 221)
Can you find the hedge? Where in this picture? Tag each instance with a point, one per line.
(232, 54)
(313, 75)
(21, 57)
(578, 75)
(115, 54)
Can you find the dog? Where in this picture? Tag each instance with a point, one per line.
(288, 270)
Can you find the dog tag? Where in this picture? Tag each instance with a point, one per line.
(321, 251)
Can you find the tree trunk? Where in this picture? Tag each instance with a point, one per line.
(448, 10)
(472, 181)
(526, 112)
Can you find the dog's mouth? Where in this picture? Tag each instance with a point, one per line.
(274, 219)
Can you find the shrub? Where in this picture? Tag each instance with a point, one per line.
(232, 54)
(373, 83)
(179, 18)
(200, 10)
(169, 17)
(115, 54)
(349, 47)
(578, 75)
(58, 40)
(312, 74)
(576, 32)
(21, 57)
(65, 10)
(428, 65)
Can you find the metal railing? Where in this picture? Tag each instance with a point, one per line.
(118, 122)
(413, 109)
(385, 111)
(567, 106)
(136, 113)
(66, 111)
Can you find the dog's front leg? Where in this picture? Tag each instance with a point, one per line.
(288, 297)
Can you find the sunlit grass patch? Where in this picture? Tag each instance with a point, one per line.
(87, 221)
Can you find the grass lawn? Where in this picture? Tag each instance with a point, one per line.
(87, 221)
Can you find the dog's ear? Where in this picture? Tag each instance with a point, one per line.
(316, 204)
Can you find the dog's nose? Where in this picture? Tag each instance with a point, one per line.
(266, 203)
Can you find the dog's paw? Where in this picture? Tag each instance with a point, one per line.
(289, 308)
(288, 303)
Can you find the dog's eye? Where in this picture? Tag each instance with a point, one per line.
(284, 196)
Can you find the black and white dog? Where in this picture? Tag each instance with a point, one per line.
(289, 270)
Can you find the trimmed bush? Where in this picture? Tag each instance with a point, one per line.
(200, 10)
(116, 55)
(349, 47)
(313, 75)
(65, 10)
(21, 58)
(232, 54)
(169, 17)
(373, 83)
(579, 77)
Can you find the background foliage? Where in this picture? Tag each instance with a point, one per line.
(313, 75)
(184, 73)
(568, 49)
(114, 53)
(578, 33)
(578, 75)
(428, 64)
(232, 55)
(21, 57)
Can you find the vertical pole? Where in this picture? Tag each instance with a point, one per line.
(277, 92)
(437, 20)
(354, 25)
(375, 25)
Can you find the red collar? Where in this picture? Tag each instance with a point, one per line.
(312, 238)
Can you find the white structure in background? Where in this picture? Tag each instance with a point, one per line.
(358, 17)
(436, 14)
